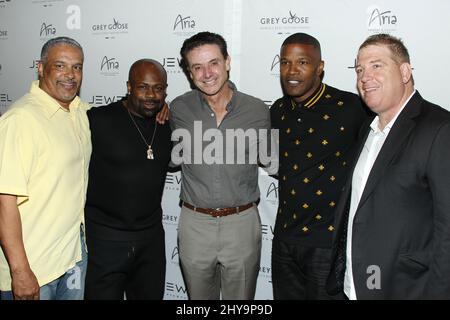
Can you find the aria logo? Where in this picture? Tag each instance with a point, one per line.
(183, 23)
(109, 66)
(174, 253)
(275, 66)
(275, 62)
(272, 191)
(184, 26)
(47, 30)
(381, 20)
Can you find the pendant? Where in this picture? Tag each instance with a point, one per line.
(150, 153)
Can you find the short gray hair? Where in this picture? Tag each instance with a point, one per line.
(395, 45)
(58, 41)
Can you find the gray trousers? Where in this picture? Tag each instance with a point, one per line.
(220, 255)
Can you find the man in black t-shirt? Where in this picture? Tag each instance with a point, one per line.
(318, 126)
(129, 162)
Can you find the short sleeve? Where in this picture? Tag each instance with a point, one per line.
(16, 155)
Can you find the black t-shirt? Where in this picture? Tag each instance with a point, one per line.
(316, 139)
(125, 188)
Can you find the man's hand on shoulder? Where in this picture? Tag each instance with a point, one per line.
(163, 114)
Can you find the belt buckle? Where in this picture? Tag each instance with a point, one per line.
(216, 214)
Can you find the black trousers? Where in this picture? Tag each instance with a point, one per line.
(299, 272)
(136, 268)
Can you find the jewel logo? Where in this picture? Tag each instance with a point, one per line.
(34, 64)
(176, 288)
(100, 100)
(5, 102)
(267, 229)
(4, 97)
(171, 64)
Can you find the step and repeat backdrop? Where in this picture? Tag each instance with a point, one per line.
(115, 33)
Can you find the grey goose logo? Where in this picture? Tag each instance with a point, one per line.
(284, 24)
(110, 29)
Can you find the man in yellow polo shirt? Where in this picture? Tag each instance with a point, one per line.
(44, 156)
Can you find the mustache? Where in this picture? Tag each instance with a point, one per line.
(69, 82)
(66, 81)
(152, 101)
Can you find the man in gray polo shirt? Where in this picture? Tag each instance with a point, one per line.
(219, 231)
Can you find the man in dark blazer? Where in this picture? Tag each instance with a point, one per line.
(392, 237)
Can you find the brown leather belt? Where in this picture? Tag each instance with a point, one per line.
(218, 212)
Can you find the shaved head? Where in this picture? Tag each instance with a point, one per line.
(147, 84)
(139, 63)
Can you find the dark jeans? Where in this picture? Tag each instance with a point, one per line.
(136, 268)
(299, 272)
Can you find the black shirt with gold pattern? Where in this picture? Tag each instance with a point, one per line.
(316, 139)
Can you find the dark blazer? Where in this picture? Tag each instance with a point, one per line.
(402, 223)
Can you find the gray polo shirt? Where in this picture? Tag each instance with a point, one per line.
(222, 183)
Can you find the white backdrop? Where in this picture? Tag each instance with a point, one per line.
(115, 33)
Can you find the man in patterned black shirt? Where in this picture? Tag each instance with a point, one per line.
(318, 126)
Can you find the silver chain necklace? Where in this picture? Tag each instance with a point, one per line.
(149, 146)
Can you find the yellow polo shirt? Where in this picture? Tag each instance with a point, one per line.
(44, 159)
